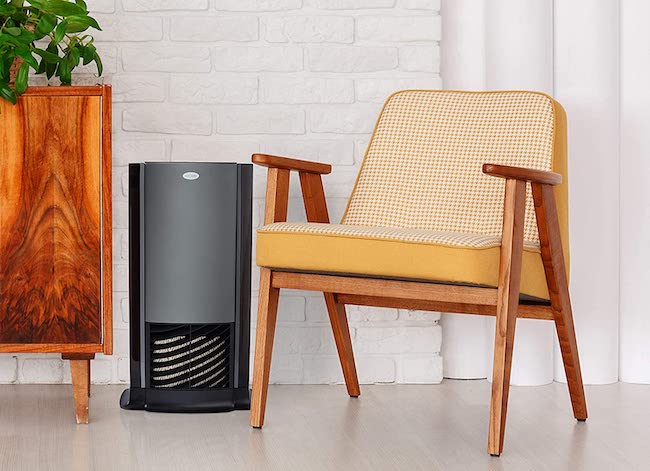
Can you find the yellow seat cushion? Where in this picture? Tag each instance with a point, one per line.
(394, 252)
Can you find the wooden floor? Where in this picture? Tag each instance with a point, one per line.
(319, 428)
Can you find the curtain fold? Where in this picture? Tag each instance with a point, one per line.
(594, 57)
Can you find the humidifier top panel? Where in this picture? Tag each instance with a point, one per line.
(190, 242)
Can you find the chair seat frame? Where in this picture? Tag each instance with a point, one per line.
(501, 302)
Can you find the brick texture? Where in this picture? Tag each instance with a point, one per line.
(217, 80)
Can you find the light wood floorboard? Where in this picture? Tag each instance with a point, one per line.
(392, 427)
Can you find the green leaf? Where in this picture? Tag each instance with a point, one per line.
(64, 8)
(94, 23)
(24, 53)
(8, 9)
(41, 66)
(7, 39)
(50, 68)
(13, 30)
(59, 32)
(36, 3)
(45, 25)
(74, 56)
(82, 4)
(23, 37)
(21, 78)
(53, 48)
(64, 72)
(98, 61)
(81, 23)
(7, 62)
(26, 37)
(88, 53)
(47, 55)
(76, 27)
(7, 93)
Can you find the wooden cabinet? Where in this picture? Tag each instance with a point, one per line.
(55, 227)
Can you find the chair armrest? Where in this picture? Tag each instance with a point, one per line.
(273, 161)
(277, 187)
(526, 174)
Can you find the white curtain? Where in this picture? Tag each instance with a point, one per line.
(594, 57)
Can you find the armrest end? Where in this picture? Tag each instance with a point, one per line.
(274, 161)
(526, 174)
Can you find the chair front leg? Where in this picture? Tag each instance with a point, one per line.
(507, 304)
(267, 312)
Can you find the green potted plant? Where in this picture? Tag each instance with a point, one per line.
(48, 36)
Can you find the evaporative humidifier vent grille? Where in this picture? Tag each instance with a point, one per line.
(190, 356)
(190, 231)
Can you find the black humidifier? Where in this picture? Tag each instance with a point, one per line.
(189, 286)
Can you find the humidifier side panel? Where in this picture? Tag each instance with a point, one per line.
(244, 240)
(136, 175)
(190, 242)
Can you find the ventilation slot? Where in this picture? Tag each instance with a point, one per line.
(190, 356)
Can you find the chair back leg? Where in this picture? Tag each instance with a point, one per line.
(339, 321)
(267, 312)
(507, 304)
(558, 288)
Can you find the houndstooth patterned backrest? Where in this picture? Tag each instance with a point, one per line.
(422, 169)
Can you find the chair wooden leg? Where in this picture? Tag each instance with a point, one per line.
(558, 286)
(316, 210)
(266, 317)
(507, 304)
(569, 347)
(339, 321)
(80, 372)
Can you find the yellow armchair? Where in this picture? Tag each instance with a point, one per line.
(428, 227)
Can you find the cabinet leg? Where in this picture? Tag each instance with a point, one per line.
(80, 372)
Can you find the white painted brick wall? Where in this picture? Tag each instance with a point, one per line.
(353, 59)
(217, 80)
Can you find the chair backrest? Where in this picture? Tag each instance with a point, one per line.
(422, 168)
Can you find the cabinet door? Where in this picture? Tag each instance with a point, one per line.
(50, 219)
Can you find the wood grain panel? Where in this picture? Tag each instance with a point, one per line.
(107, 217)
(50, 219)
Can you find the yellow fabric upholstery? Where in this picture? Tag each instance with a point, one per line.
(418, 236)
(421, 207)
(309, 248)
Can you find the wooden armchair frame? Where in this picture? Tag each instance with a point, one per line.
(502, 302)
